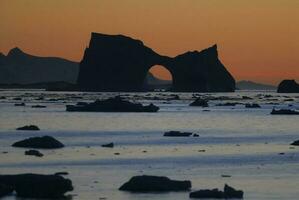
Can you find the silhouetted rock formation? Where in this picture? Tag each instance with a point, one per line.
(120, 63)
(295, 143)
(28, 128)
(5, 190)
(108, 145)
(199, 102)
(288, 86)
(154, 184)
(37, 185)
(284, 112)
(21, 68)
(45, 142)
(177, 134)
(228, 193)
(32, 152)
(252, 105)
(116, 104)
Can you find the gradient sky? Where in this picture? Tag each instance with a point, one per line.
(257, 40)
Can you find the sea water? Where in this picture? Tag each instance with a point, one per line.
(248, 144)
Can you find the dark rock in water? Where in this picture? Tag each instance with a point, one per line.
(29, 128)
(116, 104)
(120, 63)
(177, 134)
(246, 97)
(38, 106)
(5, 189)
(227, 104)
(154, 184)
(37, 185)
(20, 104)
(284, 112)
(34, 153)
(254, 105)
(207, 194)
(45, 142)
(288, 86)
(231, 193)
(200, 102)
(109, 145)
(228, 193)
(61, 173)
(295, 143)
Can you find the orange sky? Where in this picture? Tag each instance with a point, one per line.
(257, 39)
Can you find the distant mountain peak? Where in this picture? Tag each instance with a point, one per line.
(15, 51)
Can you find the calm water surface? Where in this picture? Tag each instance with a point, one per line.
(237, 141)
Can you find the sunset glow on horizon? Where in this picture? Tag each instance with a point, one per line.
(257, 40)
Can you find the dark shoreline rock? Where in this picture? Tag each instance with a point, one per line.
(45, 142)
(295, 143)
(108, 145)
(20, 104)
(116, 104)
(253, 105)
(32, 152)
(28, 128)
(284, 112)
(227, 193)
(177, 134)
(200, 102)
(37, 185)
(288, 86)
(5, 189)
(154, 184)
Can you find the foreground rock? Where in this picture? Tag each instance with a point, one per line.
(228, 193)
(36, 185)
(253, 105)
(34, 153)
(5, 190)
(288, 86)
(116, 104)
(108, 145)
(177, 134)
(28, 128)
(200, 102)
(295, 143)
(45, 142)
(154, 184)
(284, 112)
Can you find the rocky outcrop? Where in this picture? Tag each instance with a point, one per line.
(177, 134)
(45, 142)
(36, 185)
(284, 112)
(28, 128)
(33, 152)
(288, 86)
(116, 104)
(5, 190)
(154, 184)
(200, 102)
(295, 143)
(120, 63)
(227, 193)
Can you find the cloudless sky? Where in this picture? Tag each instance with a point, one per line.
(257, 40)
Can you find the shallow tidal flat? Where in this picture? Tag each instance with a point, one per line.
(246, 148)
